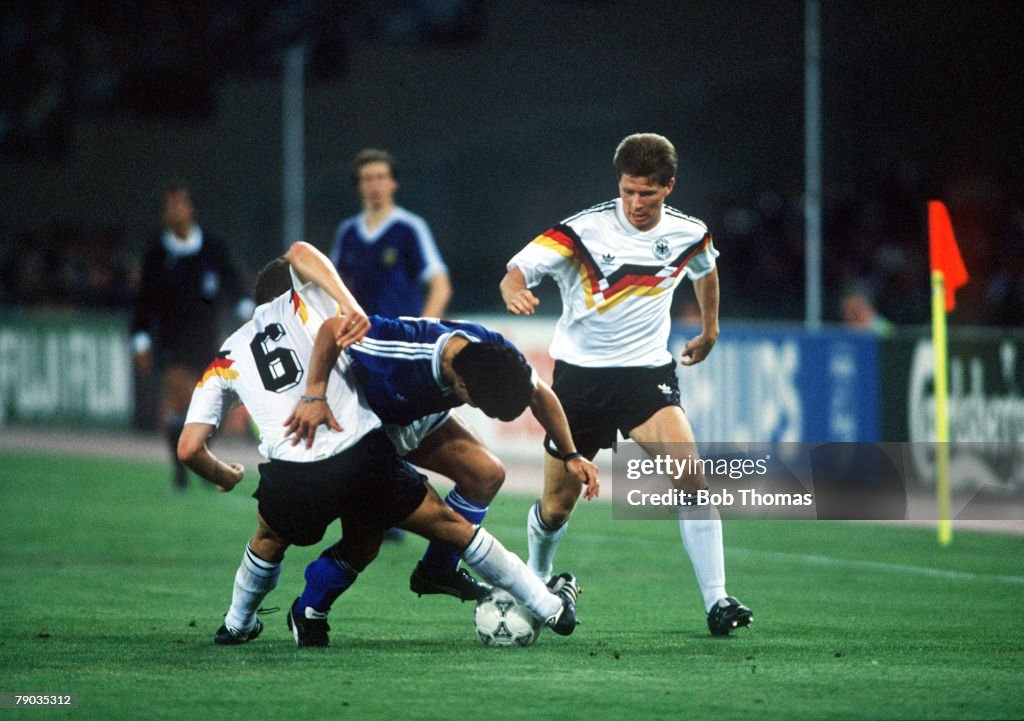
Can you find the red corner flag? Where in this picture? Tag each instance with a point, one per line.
(945, 255)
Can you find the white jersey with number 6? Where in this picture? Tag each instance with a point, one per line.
(263, 365)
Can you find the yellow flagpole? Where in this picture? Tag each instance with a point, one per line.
(941, 351)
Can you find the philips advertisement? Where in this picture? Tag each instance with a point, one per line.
(768, 385)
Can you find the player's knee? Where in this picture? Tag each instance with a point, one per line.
(268, 547)
(691, 483)
(556, 509)
(483, 484)
(358, 555)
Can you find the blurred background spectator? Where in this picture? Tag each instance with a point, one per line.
(67, 265)
(859, 313)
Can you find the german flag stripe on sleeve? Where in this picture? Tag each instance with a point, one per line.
(299, 307)
(558, 240)
(220, 367)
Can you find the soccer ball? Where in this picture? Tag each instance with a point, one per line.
(501, 621)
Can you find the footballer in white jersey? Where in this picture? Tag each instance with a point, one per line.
(354, 476)
(261, 365)
(616, 266)
(616, 282)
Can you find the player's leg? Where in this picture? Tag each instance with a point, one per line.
(548, 518)
(668, 431)
(256, 577)
(453, 451)
(581, 391)
(490, 560)
(329, 576)
(301, 500)
(176, 393)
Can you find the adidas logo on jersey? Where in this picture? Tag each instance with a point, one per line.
(607, 258)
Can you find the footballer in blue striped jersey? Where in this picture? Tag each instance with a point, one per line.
(413, 372)
(398, 365)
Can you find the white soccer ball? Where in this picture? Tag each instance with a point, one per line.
(501, 621)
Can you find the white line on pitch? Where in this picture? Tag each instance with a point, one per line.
(881, 566)
(836, 562)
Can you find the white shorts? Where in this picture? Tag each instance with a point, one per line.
(408, 438)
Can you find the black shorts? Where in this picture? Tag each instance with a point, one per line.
(368, 483)
(600, 401)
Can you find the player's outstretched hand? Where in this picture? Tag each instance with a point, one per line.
(306, 418)
(696, 350)
(521, 302)
(353, 328)
(229, 475)
(585, 472)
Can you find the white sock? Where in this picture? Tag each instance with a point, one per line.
(490, 560)
(254, 579)
(701, 529)
(542, 542)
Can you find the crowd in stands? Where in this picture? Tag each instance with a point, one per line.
(66, 59)
(874, 243)
(66, 265)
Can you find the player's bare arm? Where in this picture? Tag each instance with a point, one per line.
(313, 266)
(697, 349)
(312, 410)
(547, 409)
(517, 297)
(194, 453)
(439, 292)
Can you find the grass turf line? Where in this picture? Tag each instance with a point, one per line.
(114, 585)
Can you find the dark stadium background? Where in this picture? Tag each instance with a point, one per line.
(504, 116)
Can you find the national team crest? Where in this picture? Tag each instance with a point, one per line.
(661, 249)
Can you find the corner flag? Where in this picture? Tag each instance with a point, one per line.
(944, 252)
(948, 274)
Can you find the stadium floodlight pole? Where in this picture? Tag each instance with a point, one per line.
(293, 124)
(812, 164)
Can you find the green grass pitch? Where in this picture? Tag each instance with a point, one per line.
(113, 587)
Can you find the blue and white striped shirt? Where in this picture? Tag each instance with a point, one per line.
(398, 365)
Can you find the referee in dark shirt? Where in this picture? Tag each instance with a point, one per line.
(188, 283)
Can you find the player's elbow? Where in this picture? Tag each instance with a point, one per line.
(190, 445)
(186, 451)
(297, 251)
(332, 326)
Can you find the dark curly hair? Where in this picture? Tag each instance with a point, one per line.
(498, 378)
